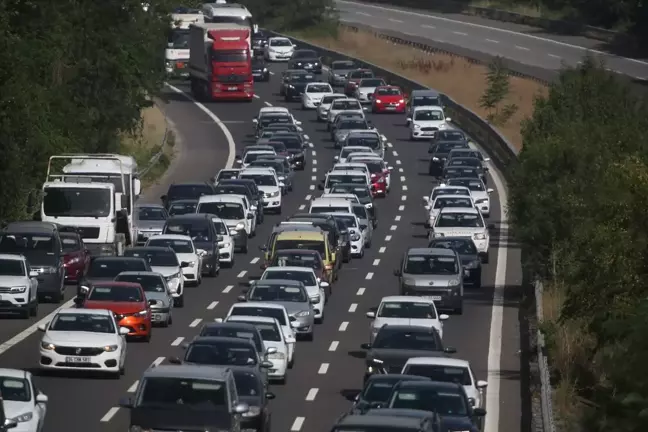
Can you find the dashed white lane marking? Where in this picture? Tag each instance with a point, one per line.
(402, 178)
(177, 341)
(311, 187)
(314, 161)
(229, 288)
(310, 144)
(360, 291)
(243, 273)
(323, 368)
(334, 345)
(388, 238)
(254, 260)
(554, 56)
(460, 33)
(267, 103)
(306, 137)
(398, 162)
(109, 415)
(297, 424)
(314, 153)
(314, 178)
(491, 40)
(314, 169)
(363, 13)
(393, 228)
(271, 73)
(395, 153)
(390, 145)
(302, 207)
(522, 48)
(400, 170)
(353, 307)
(397, 218)
(428, 26)
(312, 394)
(376, 262)
(382, 249)
(157, 362)
(132, 388)
(395, 20)
(343, 326)
(308, 198)
(401, 208)
(369, 276)
(195, 322)
(404, 197)
(404, 188)
(212, 305)
(257, 96)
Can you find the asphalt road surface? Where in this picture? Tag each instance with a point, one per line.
(524, 44)
(311, 400)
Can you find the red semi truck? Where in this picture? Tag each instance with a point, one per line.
(220, 62)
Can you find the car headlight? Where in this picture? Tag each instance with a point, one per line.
(453, 282)
(192, 263)
(141, 313)
(18, 289)
(48, 345)
(277, 356)
(442, 126)
(315, 299)
(253, 412)
(302, 314)
(355, 237)
(52, 270)
(265, 70)
(240, 226)
(480, 236)
(111, 348)
(290, 86)
(417, 126)
(173, 276)
(274, 194)
(22, 418)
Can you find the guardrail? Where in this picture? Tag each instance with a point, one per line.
(156, 157)
(503, 155)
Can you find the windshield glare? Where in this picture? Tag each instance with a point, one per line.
(428, 115)
(346, 105)
(345, 222)
(115, 294)
(247, 384)
(407, 310)
(263, 312)
(371, 83)
(179, 209)
(388, 92)
(326, 100)
(474, 186)
(149, 283)
(10, 267)
(305, 277)
(379, 390)
(293, 259)
(425, 101)
(335, 179)
(280, 43)
(401, 340)
(431, 265)
(180, 39)
(319, 88)
(371, 142)
(352, 124)
(452, 202)
(281, 293)
(463, 247)
(154, 257)
(357, 191)
(82, 323)
(260, 179)
(221, 353)
(231, 211)
(317, 246)
(77, 202)
(459, 220)
(198, 230)
(190, 394)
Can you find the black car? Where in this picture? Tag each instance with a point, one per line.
(271, 119)
(453, 135)
(200, 228)
(339, 239)
(461, 172)
(255, 197)
(448, 400)
(295, 83)
(181, 207)
(364, 196)
(252, 390)
(432, 419)
(395, 344)
(365, 423)
(260, 71)
(468, 162)
(307, 60)
(182, 191)
(106, 269)
(259, 41)
(234, 329)
(295, 145)
(377, 390)
(439, 153)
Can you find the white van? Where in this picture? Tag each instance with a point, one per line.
(331, 205)
(348, 176)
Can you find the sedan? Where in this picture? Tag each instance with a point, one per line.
(157, 293)
(405, 310)
(388, 99)
(149, 221)
(25, 406)
(251, 390)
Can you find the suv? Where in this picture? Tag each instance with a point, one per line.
(188, 397)
(41, 244)
(200, 228)
(255, 197)
(356, 422)
(18, 285)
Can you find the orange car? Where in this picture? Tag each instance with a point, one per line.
(126, 300)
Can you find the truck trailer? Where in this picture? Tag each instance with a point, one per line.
(176, 54)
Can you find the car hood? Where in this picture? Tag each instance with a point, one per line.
(429, 123)
(457, 423)
(268, 189)
(293, 307)
(166, 271)
(366, 89)
(396, 358)
(116, 307)
(419, 322)
(162, 299)
(86, 339)
(282, 49)
(459, 231)
(9, 281)
(150, 225)
(187, 257)
(479, 195)
(15, 408)
(431, 281)
(316, 96)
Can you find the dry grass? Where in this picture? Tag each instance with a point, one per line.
(460, 79)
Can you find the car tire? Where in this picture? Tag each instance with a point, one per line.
(147, 338)
(213, 272)
(179, 301)
(459, 310)
(33, 308)
(485, 258)
(310, 336)
(279, 210)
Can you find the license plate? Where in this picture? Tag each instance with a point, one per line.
(390, 108)
(157, 317)
(434, 298)
(232, 88)
(77, 359)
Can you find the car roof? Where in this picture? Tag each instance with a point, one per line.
(302, 235)
(222, 339)
(438, 361)
(258, 170)
(32, 227)
(289, 268)
(379, 421)
(274, 109)
(77, 311)
(425, 92)
(452, 196)
(459, 210)
(329, 201)
(428, 108)
(431, 251)
(13, 257)
(290, 282)
(188, 371)
(406, 299)
(14, 373)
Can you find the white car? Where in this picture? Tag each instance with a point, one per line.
(325, 105)
(165, 262)
(348, 176)
(357, 235)
(346, 105)
(313, 94)
(268, 183)
(185, 250)
(461, 222)
(25, 406)
(234, 209)
(270, 310)
(226, 243)
(405, 310)
(347, 151)
(346, 166)
(347, 196)
(445, 201)
(273, 337)
(18, 285)
(278, 49)
(269, 110)
(315, 287)
(253, 155)
(452, 370)
(83, 339)
(426, 121)
(478, 191)
(366, 87)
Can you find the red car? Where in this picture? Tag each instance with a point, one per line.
(380, 176)
(76, 259)
(126, 300)
(388, 99)
(354, 77)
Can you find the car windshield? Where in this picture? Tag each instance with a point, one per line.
(407, 340)
(270, 119)
(188, 191)
(178, 246)
(107, 293)
(150, 283)
(82, 322)
(290, 141)
(305, 277)
(278, 147)
(227, 174)
(339, 105)
(232, 332)
(314, 245)
(462, 246)
(452, 135)
(224, 210)
(301, 78)
(179, 38)
(282, 293)
(263, 312)
(377, 82)
(198, 230)
(329, 209)
(334, 179)
(247, 383)
(276, 165)
(451, 374)
(296, 259)
(360, 211)
(176, 393)
(221, 353)
(156, 258)
(473, 185)
(228, 189)
(465, 161)
(426, 101)
(308, 54)
(15, 389)
(428, 115)
(319, 88)
(70, 243)
(374, 167)
(367, 141)
(337, 65)
(269, 332)
(12, 267)
(459, 220)
(280, 43)
(326, 100)
(110, 268)
(412, 310)
(379, 390)
(431, 265)
(361, 74)
(345, 222)
(151, 214)
(179, 209)
(352, 124)
(38, 248)
(447, 147)
(261, 179)
(388, 91)
(252, 156)
(444, 403)
(450, 191)
(360, 192)
(442, 202)
(220, 227)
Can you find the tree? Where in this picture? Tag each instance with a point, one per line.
(498, 89)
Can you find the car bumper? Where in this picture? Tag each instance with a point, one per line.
(160, 316)
(105, 362)
(138, 327)
(419, 134)
(357, 247)
(226, 254)
(14, 302)
(389, 108)
(305, 326)
(271, 203)
(279, 57)
(278, 369)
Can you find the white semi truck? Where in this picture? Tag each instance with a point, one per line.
(96, 193)
(177, 52)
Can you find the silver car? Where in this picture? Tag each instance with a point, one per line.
(340, 105)
(338, 71)
(436, 274)
(157, 293)
(149, 221)
(324, 106)
(366, 223)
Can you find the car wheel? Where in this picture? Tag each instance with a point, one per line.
(279, 210)
(33, 310)
(147, 338)
(179, 301)
(244, 249)
(212, 271)
(485, 258)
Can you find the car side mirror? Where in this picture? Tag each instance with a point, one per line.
(241, 298)
(444, 317)
(266, 364)
(10, 423)
(312, 301)
(371, 314)
(449, 350)
(398, 272)
(365, 109)
(250, 216)
(33, 273)
(490, 190)
(324, 284)
(482, 384)
(126, 402)
(218, 320)
(336, 158)
(282, 184)
(184, 264)
(409, 119)
(255, 121)
(124, 331)
(42, 327)
(471, 401)
(365, 346)
(297, 122)
(479, 412)
(241, 408)
(270, 395)
(175, 360)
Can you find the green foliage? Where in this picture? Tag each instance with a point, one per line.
(284, 15)
(577, 205)
(498, 89)
(75, 75)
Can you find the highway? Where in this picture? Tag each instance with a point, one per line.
(311, 400)
(521, 43)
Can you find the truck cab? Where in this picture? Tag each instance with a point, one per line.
(176, 54)
(95, 193)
